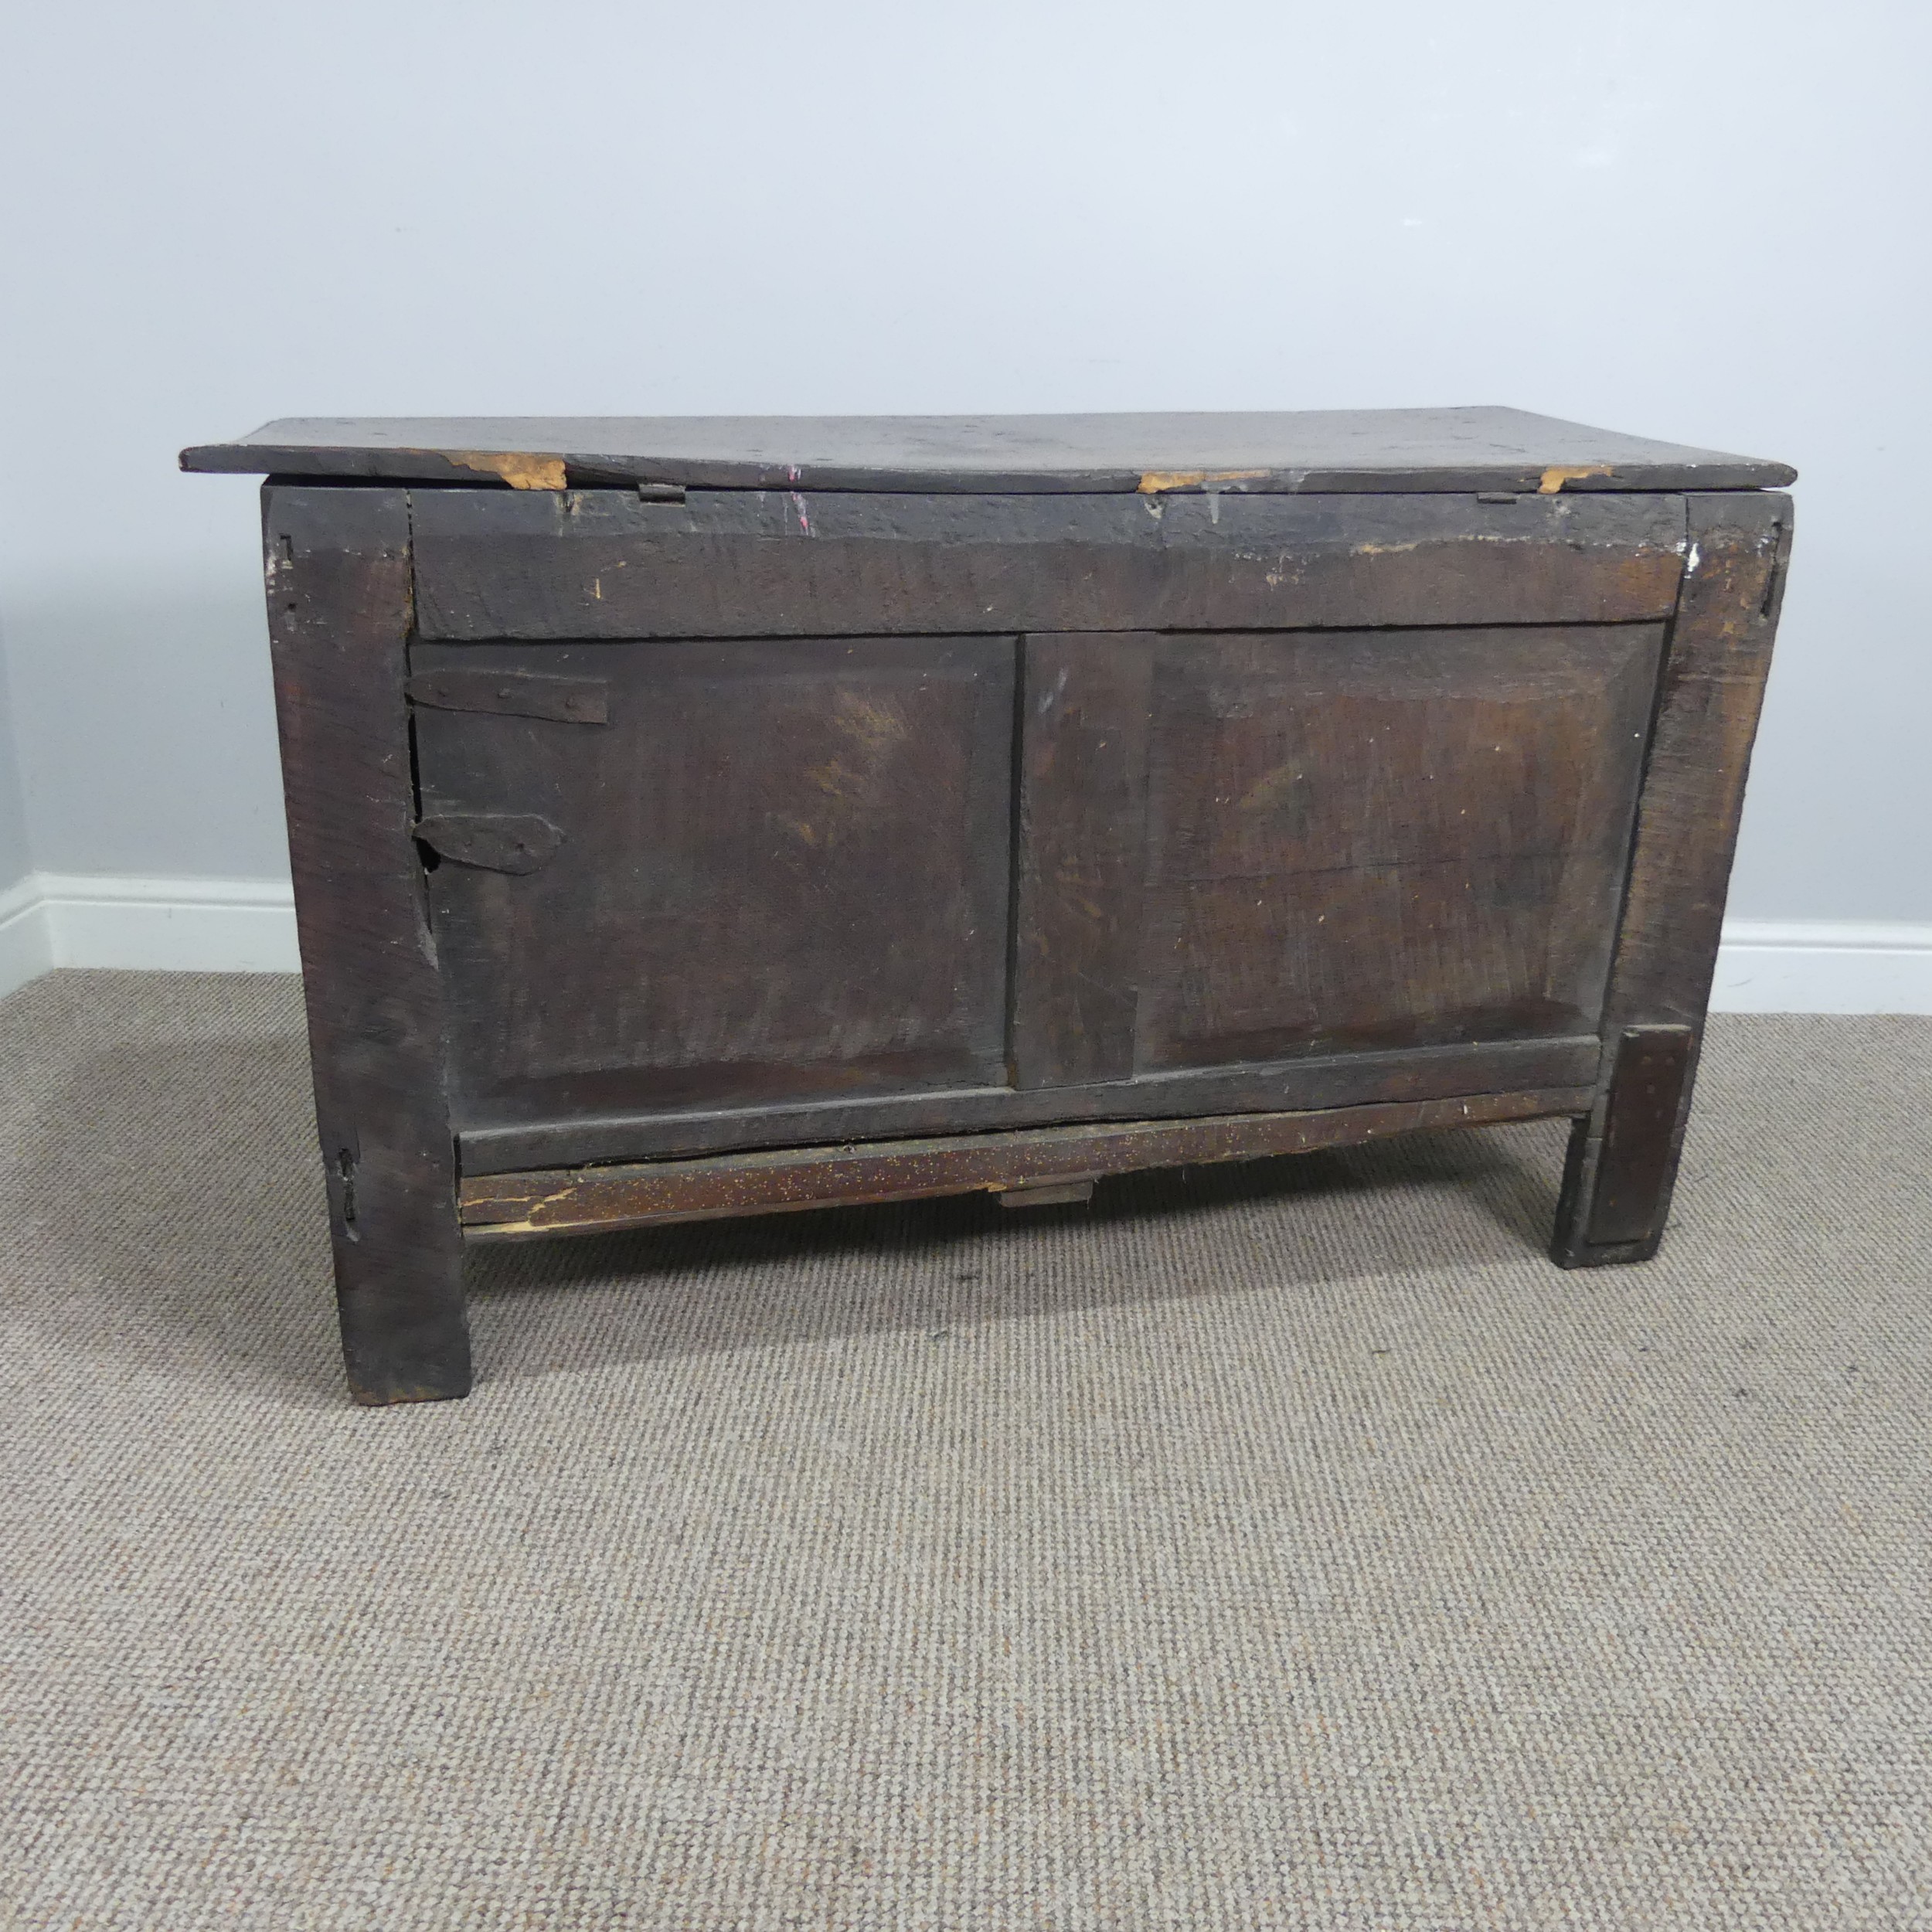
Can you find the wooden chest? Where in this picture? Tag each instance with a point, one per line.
(710, 816)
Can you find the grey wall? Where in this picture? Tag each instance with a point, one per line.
(1700, 221)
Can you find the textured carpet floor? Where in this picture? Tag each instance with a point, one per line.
(1288, 1546)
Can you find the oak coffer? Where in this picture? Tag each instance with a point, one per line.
(707, 816)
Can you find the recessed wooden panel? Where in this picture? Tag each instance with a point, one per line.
(781, 871)
(1386, 839)
(1351, 839)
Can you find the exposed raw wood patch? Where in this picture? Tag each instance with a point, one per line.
(1154, 481)
(1558, 474)
(519, 470)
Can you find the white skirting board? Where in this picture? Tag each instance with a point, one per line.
(1823, 966)
(248, 926)
(164, 925)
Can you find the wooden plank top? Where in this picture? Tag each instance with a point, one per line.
(1342, 451)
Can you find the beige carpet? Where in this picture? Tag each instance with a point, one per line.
(1283, 1546)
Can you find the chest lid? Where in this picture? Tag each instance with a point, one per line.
(1345, 451)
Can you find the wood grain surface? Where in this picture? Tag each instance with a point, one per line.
(492, 565)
